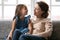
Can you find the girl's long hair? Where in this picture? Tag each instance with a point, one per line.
(18, 10)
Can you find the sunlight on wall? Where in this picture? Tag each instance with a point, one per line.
(7, 9)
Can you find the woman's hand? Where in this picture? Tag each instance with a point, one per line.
(30, 27)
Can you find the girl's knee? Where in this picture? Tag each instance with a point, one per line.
(23, 36)
(16, 30)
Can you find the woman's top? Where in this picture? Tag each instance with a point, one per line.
(42, 27)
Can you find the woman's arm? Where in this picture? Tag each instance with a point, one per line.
(30, 27)
(12, 30)
(48, 30)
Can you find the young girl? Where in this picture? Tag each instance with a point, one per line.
(20, 23)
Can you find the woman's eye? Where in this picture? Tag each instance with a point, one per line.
(37, 9)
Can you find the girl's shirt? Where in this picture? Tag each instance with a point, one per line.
(22, 24)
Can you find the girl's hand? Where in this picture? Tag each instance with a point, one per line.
(9, 38)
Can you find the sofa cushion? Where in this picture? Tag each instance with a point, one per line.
(5, 27)
(56, 31)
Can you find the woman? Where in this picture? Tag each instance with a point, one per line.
(20, 23)
(42, 26)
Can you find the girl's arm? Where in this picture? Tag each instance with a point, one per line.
(30, 27)
(12, 30)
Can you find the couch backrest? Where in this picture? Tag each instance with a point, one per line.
(56, 30)
(5, 27)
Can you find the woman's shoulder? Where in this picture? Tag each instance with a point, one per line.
(47, 20)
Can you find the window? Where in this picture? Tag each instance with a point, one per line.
(7, 8)
(9, 12)
(10, 2)
(0, 9)
(0, 1)
(55, 2)
(0, 12)
(55, 13)
(55, 7)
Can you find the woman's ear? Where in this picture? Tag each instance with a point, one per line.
(42, 11)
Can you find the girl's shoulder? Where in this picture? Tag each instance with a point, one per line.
(27, 19)
(14, 21)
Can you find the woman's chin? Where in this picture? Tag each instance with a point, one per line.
(35, 14)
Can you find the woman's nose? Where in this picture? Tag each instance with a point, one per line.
(34, 9)
(26, 10)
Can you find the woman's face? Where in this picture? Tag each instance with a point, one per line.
(24, 11)
(37, 10)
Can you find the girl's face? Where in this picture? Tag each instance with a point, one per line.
(24, 11)
(37, 10)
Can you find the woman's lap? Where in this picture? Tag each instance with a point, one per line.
(30, 37)
(18, 36)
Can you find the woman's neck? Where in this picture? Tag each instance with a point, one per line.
(39, 18)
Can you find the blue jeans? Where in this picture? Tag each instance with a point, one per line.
(30, 37)
(17, 33)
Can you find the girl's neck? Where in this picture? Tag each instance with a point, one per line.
(22, 17)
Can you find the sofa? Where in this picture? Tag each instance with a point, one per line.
(5, 27)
